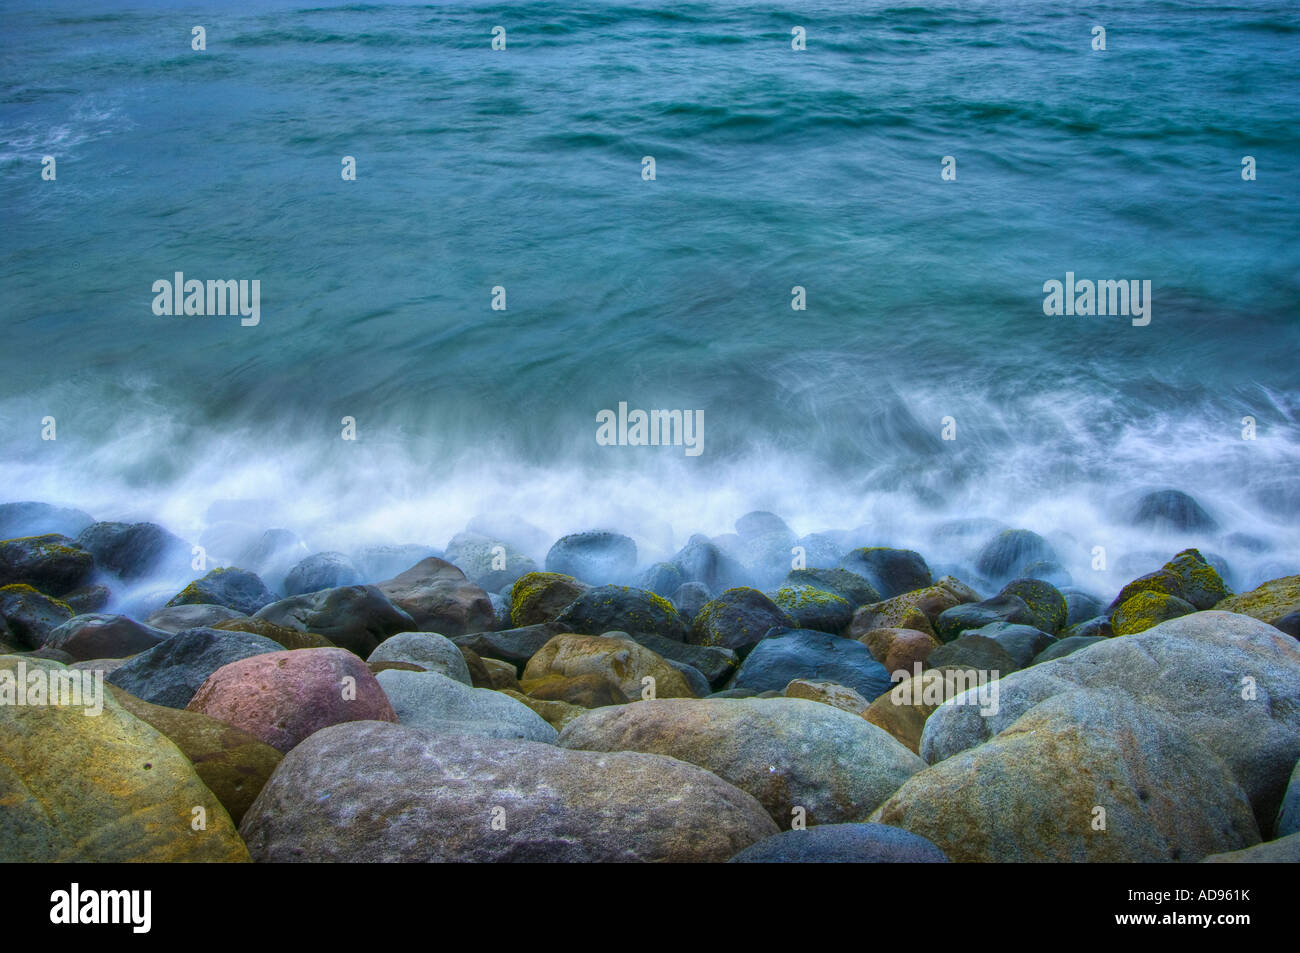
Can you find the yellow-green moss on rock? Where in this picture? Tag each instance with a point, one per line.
(1148, 608)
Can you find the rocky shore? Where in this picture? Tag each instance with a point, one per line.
(756, 697)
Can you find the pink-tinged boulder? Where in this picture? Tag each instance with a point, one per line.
(282, 697)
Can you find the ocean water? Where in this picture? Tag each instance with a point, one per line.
(775, 168)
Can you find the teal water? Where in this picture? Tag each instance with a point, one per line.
(775, 168)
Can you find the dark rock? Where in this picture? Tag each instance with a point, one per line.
(1047, 607)
(233, 588)
(440, 598)
(694, 678)
(813, 608)
(102, 636)
(1290, 624)
(891, 572)
(595, 557)
(52, 563)
(515, 646)
(1171, 510)
(973, 652)
(700, 560)
(27, 617)
(135, 550)
(41, 519)
(1096, 627)
(737, 620)
(689, 599)
(172, 672)
(857, 590)
(1005, 556)
(1022, 642)
(975, 615)
(618, 608)
(803, 653)
(539, 597)
(759, 523)
(1080, 606)
(356, 618)
(843, 844)
(321, 571)
(180, 618)
(663, 579)
(87, 599)
(288, 638)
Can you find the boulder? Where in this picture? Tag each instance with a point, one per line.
(287, 638)
(930, 601)
(371, 792)
(1145, 609)
(1033, 792)
(433, 701)
(620, 662)
(584, 691)
(538, 598)
(356, 618)
(319, 571)
(1171, 511)
(975, 615)
(737, 620)
(619, 608)
(1284, 850)
(843, 844)
(854, 589)
(102, 789)
(899, 649)
(102, 636)
(803, 653)
(1189, 670)
(234, 588)
(555, 713)
(689, 598)
(135, 550)
(28, 617)
(516, 646)
(489, 563)
(1007, 554)
(1271, 600)
(283, 697)
(1046, 605)
(812, 608)
(596, 558)
(41, 519)
(52, 563)
(891, 572)
(787, 752)
(828, 693)
(429, 650)
(440, 599)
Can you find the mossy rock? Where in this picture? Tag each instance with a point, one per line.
(232, 763)
(28, 616)
(1202, 585)
(110, 788)
(1148, 608)
(1046, 605)
(856, 589)
(1272, 600)
(51, 563)
(539, 597)
(813, 608)
(738, 619)
(289, 638)
(622, 609)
